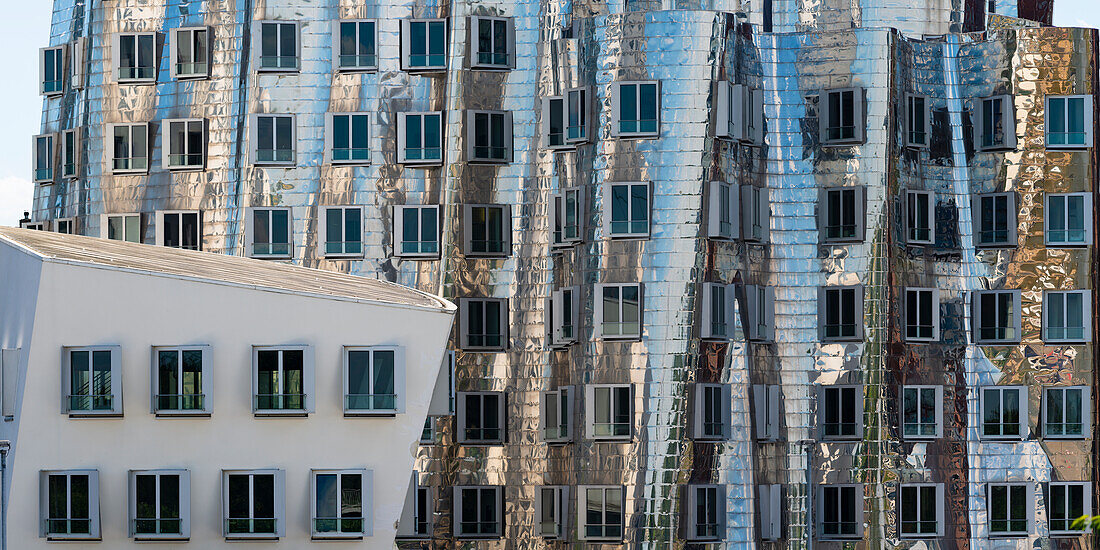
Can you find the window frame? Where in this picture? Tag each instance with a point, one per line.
(308, 388)
(1087, 122)
(729, 111)
(1087, 220)
(911, 117)
(692, 496)
(858, 509)
(559, 217)
(161, 224)
(37, 226)
(718, 324)
(60, 70)
(167, 141)
(770, 502)
(406, 45)
(616, 111)
(934, 313)
(1086, 317)
(94, 526)
(1008, 122)
(473, 32)
(859, 117)
(131, 128)
(76, 58)
(471, 137)
(206, 383)
(937, 404)
(720, 192)
(337, 43)
(411, 509)
(583, 110)
(184, 505)
(1022, 397)
(614, 395)
(70, 223)
(397, 226)
(1012, 211)
(1085, 408)
(399, 381)
(355, 211)
(582, 512)
(468, 231)
(912, 210)
(257, 46)
(560, 511)
(173, 49)
(976, 320)
(755, 213)
(330, 138)
(105, 220)
(366, 492)
(250, 236)
(1029, 500)
(254, 140)
(939, 503)
(549, 120)
(498, 498)
(1086, 506)
(760, 313)
(699, 412)
(560, 418)
(557, 336)
(823, 412)
(766, 399)
(44, 175)
(824, 313)
(464, 324)
(461, 421)
(600, 331)
(279, 508)
(116, 61)
(402, 129)
(116, 381)
(859, 214)
(72, 151)
(608, 190)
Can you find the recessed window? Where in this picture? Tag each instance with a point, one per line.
(420, 138)
(711, 413)
(44, 158)
(342, 231)
(253, 504)
(416, 231)
(179, 229)
(765, 401)
(760, 312)
(566, 213)
(36, 226)
(282, 380)
(136, 57)
(1064, 316)
(191, 48)
(269, 233)
(416, 515)
(427, 435)
(423, 44)
(920, 227)
(996, 123)
(481, 417)
(557, 415)
(69, 508)
(842, 116)
(1069, 122)
(756, 213)
(489, 136)
(723, 211)
(278, 47)
(356, 45)
(9, 374)
(626, 209)
(183, 381)
(841, 412)
(51, 67)
(478, 511)
(160, 504)
(186, 141)
(341, 504)
(728, 114)
(1004, 412)
(494, 43)
(842, 214)
(375, 380)
(550, 511)
(619, 311)
(121, 227)
(76, 61)
(554, 120)
(1066, 412)
(576, 124)
(71, 141)
(997, 316)
(603, 508)
(996, 220)
(1068, 219)
(488, 230)
(65, 225)
(609, 411)
(484, 323)
(921, 412)
(841, 512)
(130, 148)
(770, 499)
(348, 137)
(918, 120)
(1010, 509)
(922, 314)
(273, 138)
(840, 313)
(564, 311)
(92, 381)
(1067, 501)
(706, 511)
(635, 109)
(920, 510)
(717, 311)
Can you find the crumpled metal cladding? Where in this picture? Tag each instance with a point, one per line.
(686, 44)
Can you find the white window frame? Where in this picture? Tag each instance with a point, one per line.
(37, 226)
(464, 324)
(859, 214)
(582, 512)
(44, 504)
(724, 394)
(472, 146)
(497, 492)
(938, 499)
(59, 72)
(614, 394)
(184, 505)
(824, 313)
(858, 117)
(770, 510)
(406, 45)
(505, 231)
(578, 103)
(168, 140)
(766, 400)
(608, 210)
(823, 413)
(562, 331)
(692, 494)
(399, 367)
(116, 381)
(279, 508)
(402, 129)
(207, 382)
(257, 46)
(718, 311)
(399, 241)
(131, 131)
(823, 506)
(65, 223)
(366, 492)
(76, 59)
(724, 199)
(937, 404)
(556, 415)
(912, 216)
(474, 28)
(1012, 333)
(116, 63)
(330, 139)
(1086, 412)
(308, 400)
(933, 314)
(755, 213)
(250, 236)
(1012, 211)
(555, 525)
(1086, 205)
(160, 226)
(71, 151)
(1008, 123)
(912, 135)
(199, 70)
(323, 232)
(368, 65)
(461, 420)
(44, 175)
(414, 497)
(128, 218)
(1049, 321)
(1022, 395)
(1063, 507)
(564, 234)
(616, 113)
(1029, 503)
(254, 139)
(760, 312)
(1087, 122)
(621, 333)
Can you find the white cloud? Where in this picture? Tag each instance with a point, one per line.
(16, 195)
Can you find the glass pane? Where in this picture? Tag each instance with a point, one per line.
(384, 395)
(328, 501)
(263, 489)
(167, 379)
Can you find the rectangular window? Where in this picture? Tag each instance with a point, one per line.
(44, 158)
(920, 227)
(70, 152)
(635, 109)
(1068, 219)
(478, 512)
(567, 215)
(278, 46)
(481, 418)
(1069, 122)
(626, 209)
(619, 311)
(488, 230)
(841, 412)
(65, 225)
(760, 312)
(922, 314)
(182, 381)
(93, 381)
(342, 231)
(728, 117)
(484, 323)
(423, 44)
(191, 47)
(918, 121)
(554, 120)
(76, 61)
(121, 227)
(771, 511)
(920, 510)
(273, 139)
(842, 214)
(711, 415)
(253, 504)
(427, 435)
(130, 148)
(420, 138)
(36, 226)
(996, 123)
(160, 504)
(576, 124)
(489, 136)
(1067, 501)
(356, 45)
(136, 57)
(416, 515)
(69, 504)
(601, 513)
(416, 231)
(723, 211)
(840, 313)
(996, 220)
(557, 415)
(341, 504)
(718, 309)
(841, 512)
(550, 511)
(997, 316)
(374, 380)
(1004, 412)
(609, 410)
(1066, 412)
(179, 229)
(282, 380)
(765, 400)
(52, 70)
(564, 311)
(186, 141)
(841, 116)
(1064, 316)
(270, 233)
(706, 510)
(756, 213)
(1010, 509)
(9, 376)
(494, 39)
(348, 137)
(922, 412)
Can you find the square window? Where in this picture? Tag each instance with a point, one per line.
(997, 316)
(493, 41)
(1068, 219)
(488, 230)
(841, 412)
(723, 211)
(478, 511)
(179, 229)
(121, 227)
(253, 504)
(92, 381)
(1066, 412)
(191, 48)
(563, 308)
(567, 215)
(273, 139)
(182, 381)
(1064, 316)
(1010, 509)
(71, 145)
(922, 314)
(136, 57)
(481, 418)
(841, 513)
(718, 309)
(996, 220)
(920, 510)
(51, 68)
(416, 515)
(706, 511)
(920, 216)
(374, 379)
(619, 311)
(130, 148)
(160, 504)
(922, 412)
(416, 231)
(1067, 501)
(269, 233)
(420, 138)
(282, 380)
(996, 124)
(711, 414)
(348, 138)
(1069, 122)
(635, 109)
(423, 44)
(918, 121)
(355, 44)
(550, 511)
(276, 45)
(842, 215)
(840, 313)
(842, 117)
(489, 136)
(44, 158)
(601, 513)
(1004, 412)
(557, 415)
(626, 209)
(609, 409)
(771, 511)
(342, 231)
(766, 401)
(484, 323)
(69, 504)
(186, 142)
(65, 225)
(341, 504)
(760, 312)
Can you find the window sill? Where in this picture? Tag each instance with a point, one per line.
(628, 236)
(143, 171)
(274, 164)
(1082, 245)
(478, 537)
(844, 340)
(348, 413)
(489, 66)
(997, 342)
(602, 540)
(280, 413)
(562, 147)
(1015, 535)
(919, 243)
(996, 439)
(1066, 342)
(44, 182)
(270, 256)
(995, 149)
(612, 439)
(1067, 534)
(1065, 437)
(1069, 148)
(922, 340)
(481, 443)
(190, 77)
(401, 537)
(349, 163)
(257, 536)
(845, 241)
(182, 414)
(995, 246)
(840, 439)
(357, 70)
(638, 135)
(337, 536)
(161, 538)
(421, 163)
(425, 69)
(358, 256)
(187, 168)
(53, 94)
(473, 160)
(623, 338)
(434, 256)
(916, 146)
(842, 143)
(839, 538)
(136, 81)
(105, 414)
(71, 538)
(716, 338)
(921, 438)
(278, 70)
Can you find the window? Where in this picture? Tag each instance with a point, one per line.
(253, 503)
(121, 227)
(922, 412)
(160, 504)
(270, 233)
(348, 138)
(920, 217)
(602, 513)
(190, 47)
(1067, 501)
(619, 311)
(92, 381)
(840, 412)
(635, 109)
(273, 138)
(1004, 412)
(760, 312)
(1010, 509)
(1068, 219)
(416, 515)
(136, 57)
(341, 504)
(922, 314)
(609, 410)
(918, 121)
(557, 415)
(554, 120)
(356, 45)
(489, 136)
(757, 213)
(1069, 122)
(717, 312)
(728, 114)
(44, 158)
(567, 215)
(565, 119)
(427, 435)
(997, 315)
(375, 380)
(996, 124)
(130, 148)
(920, 510)
(626, 209)
(37, 226)
(841, 313)
(771, 511)
(282, 380)
(996, 216)
(842, 117)
(342, 231)
(76, 60)
(1064, 318)
(278, 46)
(841, 512)
(765, 400)
(420, 138)
(576, 125)
(416, 231)
(564, 308)
(1066, 412)
(423, 44)
(550, 511)
(69, 505)
(484, 323)
(723, 211)
(478, 512)
(842, 214)
(186, 141)
(179, 229)
(65, 225)
(495, 40)
(51, 67)
(182, 380)
(481, 417)
(488, 230)
(713, 403)
(706, 512)
(70, 152)
(9, 376)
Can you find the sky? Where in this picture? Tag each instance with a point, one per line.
(25, 27)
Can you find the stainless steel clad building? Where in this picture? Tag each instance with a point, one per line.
(761, 272)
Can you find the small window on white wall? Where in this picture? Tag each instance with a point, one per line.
(69, 505)
(765, 399)
(920, 510)
(712, 410)
(556, 418)
(1066, 316)
(770, 502)
(160, 504)
(1067, 501)
(374, 380)
(182, 379)
(1068, 219)
(341, 507)
(420, 138)
(609, 411)
(92, 381)
(416, 231)
(636, 109)
(619, 311)
(191, 49)
(254, 504)
(995, 127)
(841, 116)
(9, 381)
(1004, 412)
(282, 380)
(1069, 122)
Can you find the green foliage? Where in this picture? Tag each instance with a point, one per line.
(1086, 522)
